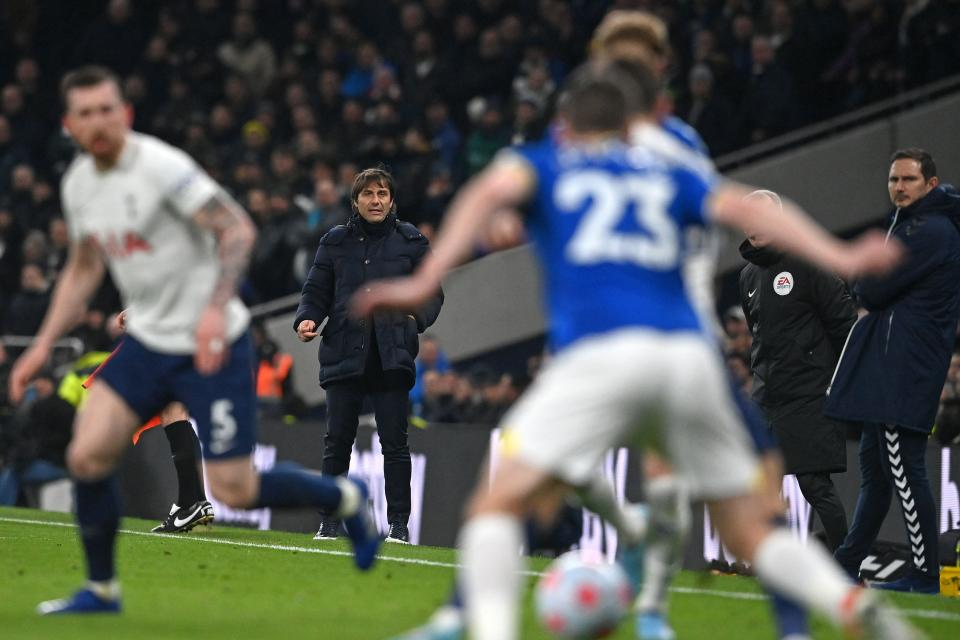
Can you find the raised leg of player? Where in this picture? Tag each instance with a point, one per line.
(102, 432)
(237, 484)
(804, 573)
(630, 522)
(489, 545)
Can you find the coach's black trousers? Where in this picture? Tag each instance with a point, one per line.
(818, 489)
(388, 392)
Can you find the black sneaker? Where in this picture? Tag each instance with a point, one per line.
(329, 529)
(398, 533)
(183, 519)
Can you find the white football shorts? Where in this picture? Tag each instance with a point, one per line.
(666, 391)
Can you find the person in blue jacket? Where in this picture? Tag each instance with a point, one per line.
(893, 367)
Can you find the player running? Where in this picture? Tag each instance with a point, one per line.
(607, 221)
(177, 247)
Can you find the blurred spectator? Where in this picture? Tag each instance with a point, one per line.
(438, 400)
(11, 153)
(359, 76)
(769, 106)
(11, 243)
(738, 333)
(249, 55)
(437, 196)
(34, 442)
(59, 244)
(329, 210)
(333, 85)
(26, 128)
(489, 137)
(430, 359)
(528, 123)
(425, 74)
(443, 133)
(21, 196)
(275, 394)
(710, 114)
(271, 265)
(739, 366)
(27, 307)
(35, 248)
(489, 71)
(115, 40)
(94, 331)
(535, 86)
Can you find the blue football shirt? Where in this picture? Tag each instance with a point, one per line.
(608, 224)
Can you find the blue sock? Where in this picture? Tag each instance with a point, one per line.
(456, 600)
(790, 617)
(98, 514)
(295, 488)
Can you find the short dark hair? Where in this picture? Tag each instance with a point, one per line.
(600, 97)
(87, 76)
(644, 88)
(928, 168)
(378, 174)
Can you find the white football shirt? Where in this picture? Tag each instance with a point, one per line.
(139, 214)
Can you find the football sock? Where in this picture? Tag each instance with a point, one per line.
(105, 590)
(489, 552)
(185, 449)
(790, 617)
(456, 599)
(98, 516)
(803, 573)
(669, 524)
(295, 488)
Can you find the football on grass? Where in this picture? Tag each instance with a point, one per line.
(581, 596)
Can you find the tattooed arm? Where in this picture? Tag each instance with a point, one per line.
(235, 235)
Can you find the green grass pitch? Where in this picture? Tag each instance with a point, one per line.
(224, 582)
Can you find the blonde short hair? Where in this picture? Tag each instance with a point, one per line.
(630, 27)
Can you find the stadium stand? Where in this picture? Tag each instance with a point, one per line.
(283, 101)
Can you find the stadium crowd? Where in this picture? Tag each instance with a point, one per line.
(283, 102)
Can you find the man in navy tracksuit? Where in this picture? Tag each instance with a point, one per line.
(894, 365)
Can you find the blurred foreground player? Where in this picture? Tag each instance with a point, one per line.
(177, 246)
(185, 451)
(630, 351)
(637, 43)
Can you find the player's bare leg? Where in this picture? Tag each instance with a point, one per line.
(489, 545)
(804, 573)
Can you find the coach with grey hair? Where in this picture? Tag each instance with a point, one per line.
(894, 365)
(799, 317)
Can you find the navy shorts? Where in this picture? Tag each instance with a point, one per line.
(223, 404)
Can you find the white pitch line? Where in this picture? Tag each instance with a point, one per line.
(732, 595)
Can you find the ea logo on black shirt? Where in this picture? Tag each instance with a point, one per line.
(783, 283)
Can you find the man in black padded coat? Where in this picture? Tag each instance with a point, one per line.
(371, 357)
(799, 317)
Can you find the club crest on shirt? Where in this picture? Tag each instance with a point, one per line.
(783, 283)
